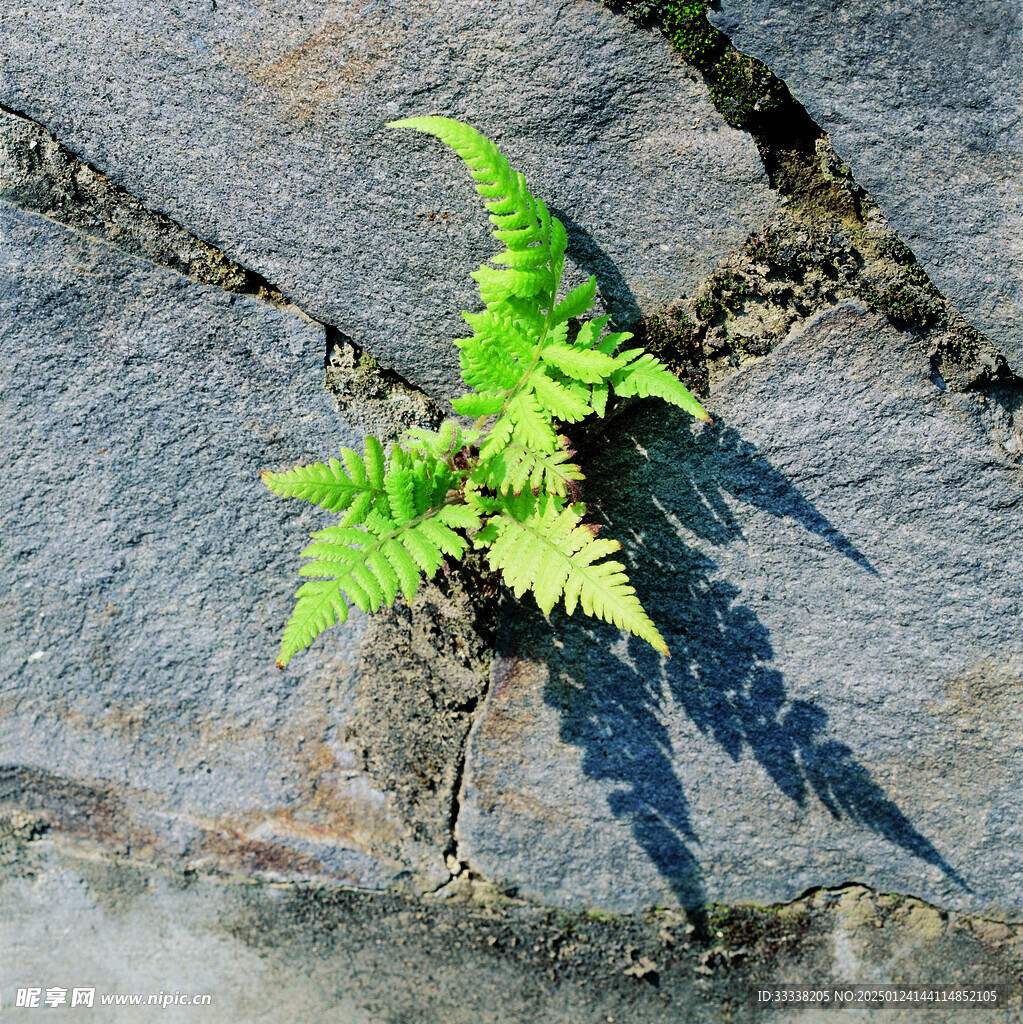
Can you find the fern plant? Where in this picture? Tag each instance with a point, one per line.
(506, 484)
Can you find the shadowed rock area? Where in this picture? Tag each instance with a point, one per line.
(261, 130)
(923, 102)
(828, 564)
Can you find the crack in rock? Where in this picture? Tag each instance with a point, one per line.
(829, 243)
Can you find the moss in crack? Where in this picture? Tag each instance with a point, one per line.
(910, 300)
(830, 243)
(801, 263)
(759, 932)
(799, 161)
(674, 338)
(740, 86)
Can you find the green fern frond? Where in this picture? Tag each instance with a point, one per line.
(576, 302)
(540, 545)
(506, 488)
(404, 533)
(442, 443)
(564, 399)
(477, 405)
(646, 376)
(519, 220)
(532, 425)
(318, 604)
(586, 365)
(368, 571)
(328, 485)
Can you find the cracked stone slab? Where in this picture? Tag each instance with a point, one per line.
(834, 566)
(146, 574)
(923, 101)
(260, 128)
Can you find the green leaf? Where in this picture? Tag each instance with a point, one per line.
(324, 484)
(517, 468)
(496, 285)
(477, 405)
(398, 483)
(459, 516)
(318, 605)
(532, 427)
(576, 302)
(587, 365)
(539, 545)
(647, 376)
(589, 332)
(375, 463)
(567, 402)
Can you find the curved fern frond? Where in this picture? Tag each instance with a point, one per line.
(540, 545)
(519, 220)
(646, 376)
(442, 443)
(318, 604)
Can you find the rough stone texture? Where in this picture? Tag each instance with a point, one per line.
(833, 564)
(145, 574)
(923, 101)
(270, 953)
(259, 128)
(39, 175)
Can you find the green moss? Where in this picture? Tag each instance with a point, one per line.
(766, 928)
(911, 301)
(739, 85)
(724, 292)
(765, 247)
(692, 34)
(213, 267)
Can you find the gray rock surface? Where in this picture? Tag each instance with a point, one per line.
(834, 564)
(146, 574)
(923, 101)
(305, 955)
(259, 128)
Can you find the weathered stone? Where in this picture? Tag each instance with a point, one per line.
(308, 954)
(923, 101)
(39, 175)
(835, 568)
(146, 575)
(260, 129)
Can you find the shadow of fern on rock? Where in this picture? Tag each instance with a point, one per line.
(620, 703)
(622, 731)
(591, 258)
